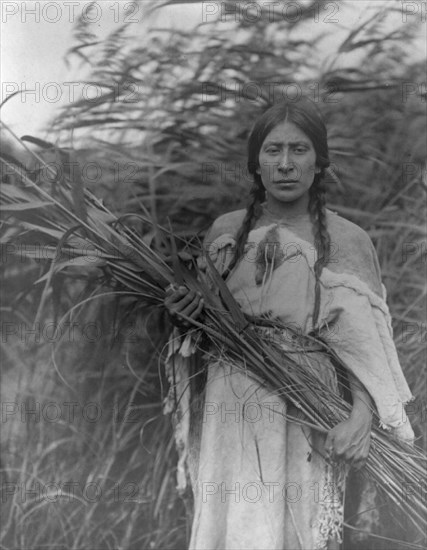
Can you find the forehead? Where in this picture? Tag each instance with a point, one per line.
(287, 132)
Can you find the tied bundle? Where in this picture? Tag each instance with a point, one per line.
(76, 230)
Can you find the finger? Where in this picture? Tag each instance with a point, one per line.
(197, 306)
(193, 309)
(175, 303)
(189, 302)
(185, 299)
(173, 306)
(199, 309)
(173, 298)
(190, 309)
(189, 306)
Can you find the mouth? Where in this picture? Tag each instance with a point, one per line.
(285, 182)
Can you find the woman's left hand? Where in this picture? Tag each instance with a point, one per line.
(350, 439)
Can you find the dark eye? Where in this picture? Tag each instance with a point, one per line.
(272, 150)
(300, 150)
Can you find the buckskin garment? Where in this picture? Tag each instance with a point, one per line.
(260, 480)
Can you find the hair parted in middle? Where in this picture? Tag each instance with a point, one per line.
(306, 116)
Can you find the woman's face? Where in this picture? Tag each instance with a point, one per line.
(287, 163)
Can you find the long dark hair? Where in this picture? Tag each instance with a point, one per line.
(304, 114)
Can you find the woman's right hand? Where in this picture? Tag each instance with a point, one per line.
(183, 301)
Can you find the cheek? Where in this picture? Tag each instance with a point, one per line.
(265, 172)
(310, 166)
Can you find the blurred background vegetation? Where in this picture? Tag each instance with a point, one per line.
(167, 136)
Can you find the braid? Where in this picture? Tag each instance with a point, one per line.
(322, 238)
(253, 212)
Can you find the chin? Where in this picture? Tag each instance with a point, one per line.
(288, 197)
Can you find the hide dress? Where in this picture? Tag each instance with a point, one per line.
(259, 479)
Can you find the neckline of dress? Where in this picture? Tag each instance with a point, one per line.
(274, 219)
(282, 226)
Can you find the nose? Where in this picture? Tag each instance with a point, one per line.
(285, 162)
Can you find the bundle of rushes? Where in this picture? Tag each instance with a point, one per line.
(68, 221)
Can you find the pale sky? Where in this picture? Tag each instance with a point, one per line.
(36, 35)
(34, 39)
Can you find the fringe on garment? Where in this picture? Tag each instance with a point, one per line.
(177, 401)
(331, 518)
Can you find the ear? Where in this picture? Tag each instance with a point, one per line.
(317, 170)
(258, 170)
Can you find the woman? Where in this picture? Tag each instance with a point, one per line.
(259, 478)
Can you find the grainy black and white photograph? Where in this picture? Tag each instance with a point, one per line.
(213, 266)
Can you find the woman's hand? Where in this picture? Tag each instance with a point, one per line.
(350, 439)
(182, 302)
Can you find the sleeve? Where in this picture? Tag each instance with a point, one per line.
(362, 339)
(183, 346)
(219, 252)
(181, 354)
